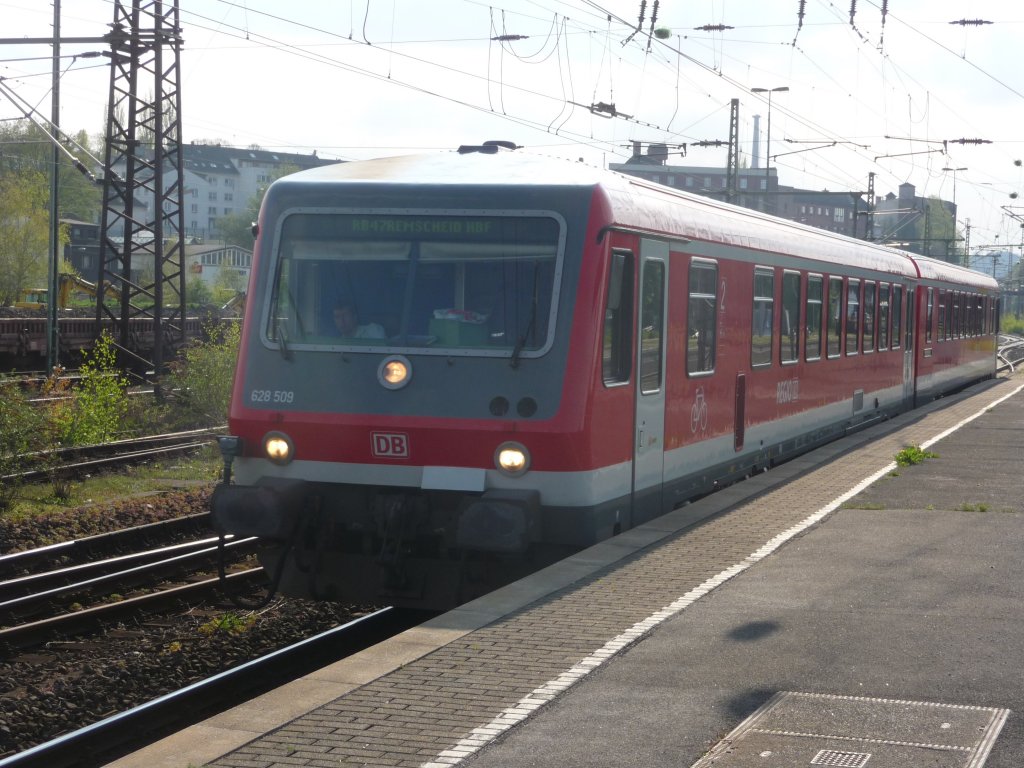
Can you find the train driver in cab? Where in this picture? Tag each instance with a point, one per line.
(346, 322)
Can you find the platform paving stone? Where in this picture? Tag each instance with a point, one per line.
(420, 712)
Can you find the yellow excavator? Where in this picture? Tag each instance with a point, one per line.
(37, 298)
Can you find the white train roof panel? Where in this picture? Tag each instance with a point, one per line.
(936, 269)
(634, 204)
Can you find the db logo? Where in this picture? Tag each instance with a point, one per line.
(390, 445)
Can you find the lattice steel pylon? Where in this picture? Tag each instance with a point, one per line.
(141, 265)
(732, 164)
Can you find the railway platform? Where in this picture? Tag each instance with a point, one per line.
(838, 610)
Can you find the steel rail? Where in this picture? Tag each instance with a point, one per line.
(31, 584)
(108, 540)
(113, 460)
(118, 734)
(33, 633)
(124, 450)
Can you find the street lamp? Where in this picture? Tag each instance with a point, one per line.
(954, 170)
(768, 141)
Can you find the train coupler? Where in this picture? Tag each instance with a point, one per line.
(269, 510)
(504, 521)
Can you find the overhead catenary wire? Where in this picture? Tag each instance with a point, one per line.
(833, 172)
(57, 137)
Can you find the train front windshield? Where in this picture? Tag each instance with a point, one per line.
(481, 285)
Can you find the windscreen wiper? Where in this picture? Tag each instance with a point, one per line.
(282, 341)
(521, 341)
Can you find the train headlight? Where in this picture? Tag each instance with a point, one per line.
(394, 372)
(512, 458)
(278, 447)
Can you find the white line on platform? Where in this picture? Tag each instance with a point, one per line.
(518, 712)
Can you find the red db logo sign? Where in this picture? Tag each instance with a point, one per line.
(390, 445)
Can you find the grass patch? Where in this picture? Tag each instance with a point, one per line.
(965, 507)
(200, 467)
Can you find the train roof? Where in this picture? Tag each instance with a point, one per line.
(635, 204)
(936, 269)
(499, 168)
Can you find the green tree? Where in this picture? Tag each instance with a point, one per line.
(27, 148)
(203, 378)
(197, 292)
(236, 228)
(24, 233)
(77, 196)
(99, 404)
(941, 231)
(22, 431)
(230, 281)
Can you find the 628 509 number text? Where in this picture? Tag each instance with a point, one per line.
(272, 396)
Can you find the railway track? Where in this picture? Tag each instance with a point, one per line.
(81, 459)
(60, 598)
(110, 639)
(1010, 352)
(120, 733)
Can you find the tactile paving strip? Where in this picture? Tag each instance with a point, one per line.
(838, 759)
(796, 729)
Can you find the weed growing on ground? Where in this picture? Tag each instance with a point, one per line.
(230, 623)
(913, 455)
(967, 507)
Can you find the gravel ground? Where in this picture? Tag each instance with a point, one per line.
(72, 682)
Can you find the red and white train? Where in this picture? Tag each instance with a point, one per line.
(544, 355)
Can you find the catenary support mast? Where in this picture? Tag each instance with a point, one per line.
(141, 265)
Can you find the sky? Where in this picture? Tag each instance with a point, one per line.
(926, 92)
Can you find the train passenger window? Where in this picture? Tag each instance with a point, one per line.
(883, 316)
(869, 316)
(950, 317)
(652, 313)
(852, 316)
(897, 315)
(789, 322)
(761, 318)
(701, 317)
(981, 315)
(956, 327)
(812, 347)
(930, 316)
(908, 328)
(835, 316)
(941, 335)
(617, 349)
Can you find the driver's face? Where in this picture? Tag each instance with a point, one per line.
(345, 319)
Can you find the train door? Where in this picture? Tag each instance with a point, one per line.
(649, 438)
(909, 379)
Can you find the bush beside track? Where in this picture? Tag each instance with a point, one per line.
(96, 407)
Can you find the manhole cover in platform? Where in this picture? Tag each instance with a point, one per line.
(793, 730)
